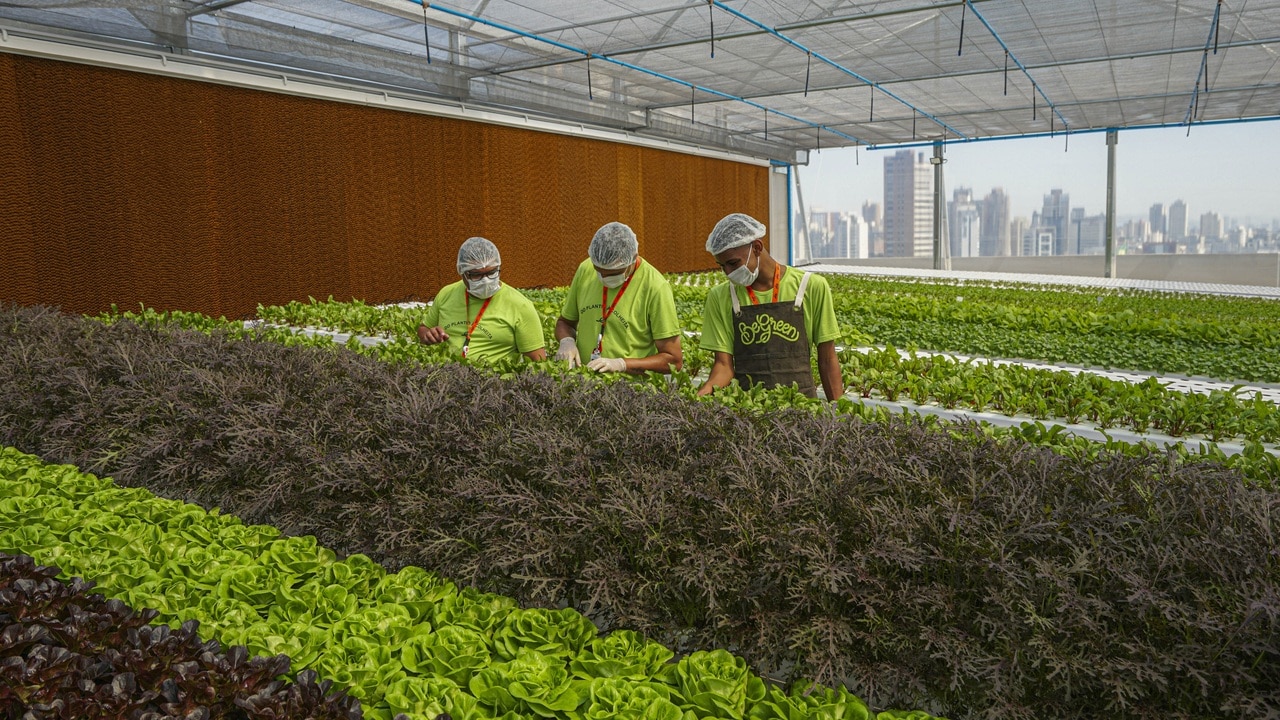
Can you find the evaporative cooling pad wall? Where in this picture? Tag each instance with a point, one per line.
(123, 187)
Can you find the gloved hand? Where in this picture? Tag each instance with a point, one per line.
(608, 364)
(569, 351)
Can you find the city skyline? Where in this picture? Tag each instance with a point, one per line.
(1232, 170)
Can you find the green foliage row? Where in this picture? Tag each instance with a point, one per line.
(1037, 393)
(1059, 394)
(405, 642)
(931, 567)
(1223, 337)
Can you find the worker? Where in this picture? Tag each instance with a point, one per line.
(619, 313)
(481, 317)
(760, 324)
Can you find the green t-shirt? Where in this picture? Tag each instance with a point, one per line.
(646, 312)
(819, 310)
(510, 326)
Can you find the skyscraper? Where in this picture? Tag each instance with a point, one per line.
(1088, 233)
(1056, 215)
(1017, 230)
(1211, 226)
(1177, 222)
(994, 239)
(908, 205)
(874, 245)
(964, 219)
(871, 212)
(1156, 216)
(859, 237)
(1073, 241)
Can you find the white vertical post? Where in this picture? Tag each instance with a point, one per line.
(1112, 139)
(804, 220)
(941, 249)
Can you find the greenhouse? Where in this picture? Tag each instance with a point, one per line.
(251, 467)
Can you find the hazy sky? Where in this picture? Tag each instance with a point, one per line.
(1233, 170)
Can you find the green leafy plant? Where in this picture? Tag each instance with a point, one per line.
(717, 684)
(529, 684)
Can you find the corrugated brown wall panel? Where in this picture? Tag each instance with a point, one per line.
(18, 257)
(124, 188)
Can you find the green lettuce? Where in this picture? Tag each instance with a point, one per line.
(530, 684)
(621, 653)
(427, 698)
(415, 589)
(550, 632)
(452, 652)
(809, 702)
(473, 610)
(717, 684)
(622, 699)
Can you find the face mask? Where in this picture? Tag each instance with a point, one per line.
(744, 275)
(612, 281)
(484, 288)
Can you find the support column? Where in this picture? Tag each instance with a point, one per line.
(941, 249)
(804, 222)
(1112, 139)
(780, 241)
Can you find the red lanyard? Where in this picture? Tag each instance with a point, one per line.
(777, 279)
(604, 314)
(466, 341)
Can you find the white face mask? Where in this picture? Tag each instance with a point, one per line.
(484, 288)
(612, 281)
(744, 275)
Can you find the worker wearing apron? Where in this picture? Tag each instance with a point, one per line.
(760, 324)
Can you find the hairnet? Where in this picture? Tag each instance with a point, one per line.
(613, 247)
(734, 230)
(477, 253)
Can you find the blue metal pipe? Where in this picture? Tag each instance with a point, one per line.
(1155, 126)
(772, 31)
(1066, 127)
(621, 63)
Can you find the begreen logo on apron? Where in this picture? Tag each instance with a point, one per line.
(764, 328)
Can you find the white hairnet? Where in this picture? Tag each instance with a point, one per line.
(734, 230)
(477, 253)
(613, 247)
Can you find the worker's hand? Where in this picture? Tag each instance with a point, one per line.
(569, 352)
(431, 336)
(608, 365)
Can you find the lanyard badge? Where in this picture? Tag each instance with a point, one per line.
(605, 313)
(466, 341)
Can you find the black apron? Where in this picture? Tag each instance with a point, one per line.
(771, 345)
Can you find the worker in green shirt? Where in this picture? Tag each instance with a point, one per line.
(619, 313)
(760, 324)
(481, 317)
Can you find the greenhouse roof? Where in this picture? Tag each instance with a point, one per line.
(765, 78)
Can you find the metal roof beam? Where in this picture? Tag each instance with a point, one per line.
(586, 55)
(977, 73)
(1009, 54)
(832, 63)
(790, 27)
(215, 6)
(608, 20)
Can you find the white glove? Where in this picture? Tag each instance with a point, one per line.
(608, 365)
(569, 351)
